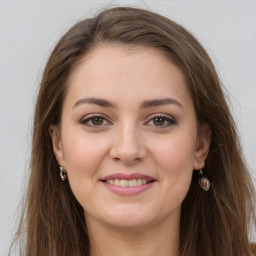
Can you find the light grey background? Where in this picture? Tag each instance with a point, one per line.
(28, 32)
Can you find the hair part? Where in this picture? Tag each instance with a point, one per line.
(213, 223)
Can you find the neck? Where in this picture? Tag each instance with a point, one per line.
(161, 239)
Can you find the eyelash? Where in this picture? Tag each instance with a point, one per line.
(89, 118)
(164, 117)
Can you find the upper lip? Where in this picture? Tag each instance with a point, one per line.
(131, 176)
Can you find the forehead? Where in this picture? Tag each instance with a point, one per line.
(128, 72)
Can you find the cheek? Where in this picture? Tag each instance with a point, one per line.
(176, 152)
(174, 159)
(82, 153)
(84, 156)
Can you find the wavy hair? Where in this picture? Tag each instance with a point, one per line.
(214, 223)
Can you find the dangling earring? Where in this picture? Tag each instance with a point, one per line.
(203, 181)
(63, 173)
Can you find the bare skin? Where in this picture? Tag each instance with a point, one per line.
(128, 114)
(161, 240)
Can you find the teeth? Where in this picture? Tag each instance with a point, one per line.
(127, 183)
(140, 181)
(124, 183)
(117, 182)
(132, 183)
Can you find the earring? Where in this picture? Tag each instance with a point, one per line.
(63, 173)
(203, 181)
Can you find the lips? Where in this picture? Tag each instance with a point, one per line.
(128, 184)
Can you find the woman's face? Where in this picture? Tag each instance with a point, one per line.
(128, 137)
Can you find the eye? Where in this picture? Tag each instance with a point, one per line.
(161, 120)
(94, 121)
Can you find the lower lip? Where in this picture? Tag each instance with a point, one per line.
(128, 191)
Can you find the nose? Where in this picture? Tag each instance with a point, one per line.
(128, 146)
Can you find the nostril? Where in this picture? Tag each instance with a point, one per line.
(127, 145)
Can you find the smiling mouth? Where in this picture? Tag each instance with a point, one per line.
(127, 183)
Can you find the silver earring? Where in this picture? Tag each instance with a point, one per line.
(63, 173)
(203, 181)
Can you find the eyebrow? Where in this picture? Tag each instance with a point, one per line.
(95, 101)
(143, 105)
(160, 102)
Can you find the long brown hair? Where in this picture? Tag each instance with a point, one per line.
(213, 223)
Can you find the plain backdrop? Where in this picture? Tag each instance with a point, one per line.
(30, 29)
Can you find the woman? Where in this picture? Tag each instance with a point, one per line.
(135, 151)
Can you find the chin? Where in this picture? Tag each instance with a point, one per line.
(127, 217)
(129, 223)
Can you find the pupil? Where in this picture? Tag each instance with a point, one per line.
(159, 121)
(97, 121)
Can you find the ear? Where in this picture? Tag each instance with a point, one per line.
(202, 146)
(54, 131)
